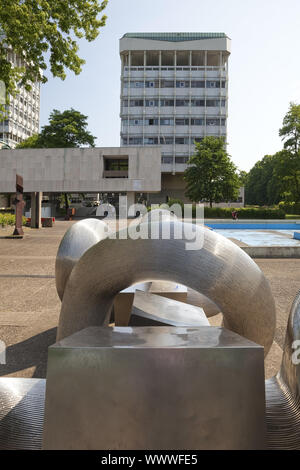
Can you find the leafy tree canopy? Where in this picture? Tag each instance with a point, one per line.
(65, 129)
(211, 176)
(262, 185)
(243, 176)
(290, 131)
(277, 177)
(287, 174)
(36, 29)
(30, 143)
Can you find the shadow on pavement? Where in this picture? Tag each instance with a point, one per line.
(29, 353)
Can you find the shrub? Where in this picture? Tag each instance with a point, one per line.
(226, 212)
(290, 207)
(243, 213)
(175, 201)
(10, 219)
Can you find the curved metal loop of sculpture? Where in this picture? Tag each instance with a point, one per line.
(79, 238)
(283, 390)
(220, 270)
(221, 262)
(86, 233)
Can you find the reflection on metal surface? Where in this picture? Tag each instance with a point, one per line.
(155, 388)
(76, 241)
(151, 309)
(283, 391)
(21, 413)
(220, 270)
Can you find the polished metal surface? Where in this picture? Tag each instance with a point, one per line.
(155, 388)
(171, 290)
(220, 270)
(123, 303)
(154, 310)
(283, 391)
(21, 413)
(76, 241)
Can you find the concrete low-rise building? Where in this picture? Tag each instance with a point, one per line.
(80, 170)
(130, 171)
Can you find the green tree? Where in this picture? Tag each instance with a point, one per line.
(287, 174)
(287, 167)
(45, 30)
(290, 131)
(243, 176)
(30, 143)
(262, 185)
(211, 176)
(277, 177)
(65, 129)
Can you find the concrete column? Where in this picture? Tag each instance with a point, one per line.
(36, 210)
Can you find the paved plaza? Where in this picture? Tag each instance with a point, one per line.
(29, 307)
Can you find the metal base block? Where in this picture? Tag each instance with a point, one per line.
(155, 388)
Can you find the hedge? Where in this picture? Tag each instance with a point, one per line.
(290, 207)
(243, 213)
(9, 219)
(226, 212)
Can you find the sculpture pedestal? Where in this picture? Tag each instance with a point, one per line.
(155, 388)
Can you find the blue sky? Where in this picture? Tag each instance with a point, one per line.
(264, 67)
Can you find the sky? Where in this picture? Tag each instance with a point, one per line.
(264, 67)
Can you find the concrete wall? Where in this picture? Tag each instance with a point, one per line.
(213, 44)
(79, 170)
(174, 186)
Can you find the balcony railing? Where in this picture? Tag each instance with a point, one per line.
(172, 68)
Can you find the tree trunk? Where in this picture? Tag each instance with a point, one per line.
(210, 203)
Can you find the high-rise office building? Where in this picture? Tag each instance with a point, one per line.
(23, 111)
(174, 91)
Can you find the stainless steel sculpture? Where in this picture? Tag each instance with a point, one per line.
(220, 270)
(283, 390)
(86, 233)
(90, 273)
(155, 388)
(76, 241)
(21, 413)
(154, 310)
